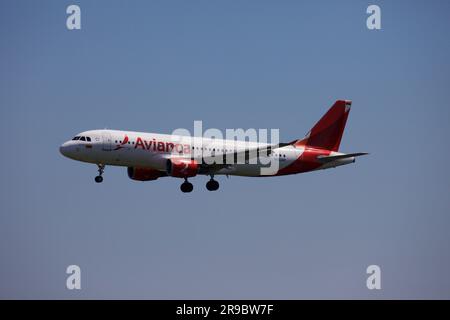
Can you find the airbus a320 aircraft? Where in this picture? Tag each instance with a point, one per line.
(150, 156)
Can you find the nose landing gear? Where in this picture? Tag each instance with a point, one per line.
(186, 186)
(101, 169)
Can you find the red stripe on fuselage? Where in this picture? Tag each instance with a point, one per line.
(307, 161)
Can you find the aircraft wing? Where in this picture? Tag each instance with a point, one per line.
(245, 155)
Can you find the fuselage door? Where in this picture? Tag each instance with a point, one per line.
(107, 141)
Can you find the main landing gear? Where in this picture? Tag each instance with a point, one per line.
(186, 186)
(212, 185)
(101, 169)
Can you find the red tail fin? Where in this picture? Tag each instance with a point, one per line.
(327, 133)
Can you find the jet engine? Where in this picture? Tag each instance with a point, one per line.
(144, 174)
(181, 168)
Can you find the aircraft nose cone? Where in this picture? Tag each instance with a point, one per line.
(63, 149)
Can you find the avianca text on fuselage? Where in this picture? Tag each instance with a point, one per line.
(149, 156)
(162, 146)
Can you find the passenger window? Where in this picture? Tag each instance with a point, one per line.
(83, 139)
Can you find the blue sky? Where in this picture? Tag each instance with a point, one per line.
(159, 65)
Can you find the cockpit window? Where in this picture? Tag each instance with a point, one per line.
(76, 138)
(88, 139)
(83, 139)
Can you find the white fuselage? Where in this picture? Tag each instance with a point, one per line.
(150, 156)
(151, 150)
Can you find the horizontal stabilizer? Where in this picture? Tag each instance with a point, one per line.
(326, 159)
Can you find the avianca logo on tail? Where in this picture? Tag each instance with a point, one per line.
(124, 142)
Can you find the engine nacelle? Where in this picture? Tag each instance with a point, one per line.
(181, 168)
(144, 174)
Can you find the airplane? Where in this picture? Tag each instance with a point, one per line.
(150, 156)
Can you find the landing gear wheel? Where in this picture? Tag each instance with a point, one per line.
(101, 169)
(186, 187)
(212, 185)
